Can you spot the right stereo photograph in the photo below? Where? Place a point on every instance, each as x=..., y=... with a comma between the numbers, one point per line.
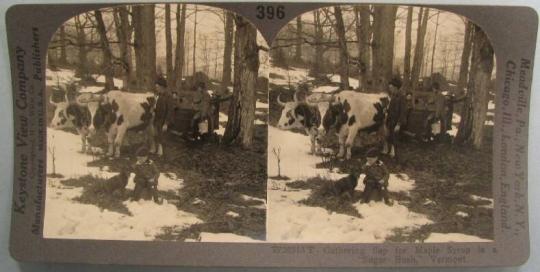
x=380, y=127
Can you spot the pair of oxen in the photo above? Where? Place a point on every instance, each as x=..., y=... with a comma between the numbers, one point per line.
x=346, y=113
x=115, y=112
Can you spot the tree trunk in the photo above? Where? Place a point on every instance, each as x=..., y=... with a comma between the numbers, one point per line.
x=168, y=46
x=384, y=23
x=318, y=58
x=363, y=26
x=343, y=52
x=423, y=17
x=434, y=43
x=408, y=45
x=107, y=66
x=471, y=127
x=465, y=56
x=227, y=50
x=176, y=77
x=63, y=56
x=240, y=126
x=124, y=34
x=299, y=40
x=145, y=46
x=195, y=42
x=82, y=67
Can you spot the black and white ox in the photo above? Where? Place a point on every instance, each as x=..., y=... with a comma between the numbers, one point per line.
x=347, y=113
x=70, y=114
x=117, y=112
x=303, y=115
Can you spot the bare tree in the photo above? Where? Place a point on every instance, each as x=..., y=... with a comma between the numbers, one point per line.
x=227, y=50
x=473, y=114
x=384, y=23
x=408, y=45
x=434, y=42
x=168, y=46
x=299, y=40
x=363, y=34
x=277, y=154
x=63, y=55
x=465, y=56
x=80, y=27
x=343, y=51
x=240, y=126
x=195, y=41
x=177, y=74
x=145, y=45
x=108, y=67
x=318, y=37
x=423, y=17
x=124, y=32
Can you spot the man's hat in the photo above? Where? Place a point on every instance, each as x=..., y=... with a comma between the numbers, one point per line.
x=141, y=152
x=161, y=81
x=372, y=153
x=396, y=81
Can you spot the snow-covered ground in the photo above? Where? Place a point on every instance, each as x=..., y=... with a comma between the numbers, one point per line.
x=288, y=220
x=291, y=75
x=66, y=218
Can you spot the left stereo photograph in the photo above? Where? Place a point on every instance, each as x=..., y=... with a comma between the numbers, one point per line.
x=156, y=126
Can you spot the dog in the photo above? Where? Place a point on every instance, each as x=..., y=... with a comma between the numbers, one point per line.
x=346, y=185
x=117, y=184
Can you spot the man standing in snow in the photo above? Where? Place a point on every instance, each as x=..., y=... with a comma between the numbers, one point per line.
x=397, y=112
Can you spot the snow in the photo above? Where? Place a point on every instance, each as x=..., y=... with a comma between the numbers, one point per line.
x=225, y=237
x=66, y=218
x=462, y=214
x=290, y=221
x=325, y=89
x=233, y=214
x=69, y=161
x=481, y=198
x=251, y=198
x=296, y=163
x=261, y=105
x=491, y=105
x=117, y=82
x=91, y=89
x=61, y=77
x=456, y=118
x=353, y=82
x=453, y=237
x=292, y=75
x=223, y=119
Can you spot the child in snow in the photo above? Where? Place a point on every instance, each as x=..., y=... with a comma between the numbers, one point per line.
x=146, y=176
x=376, y=180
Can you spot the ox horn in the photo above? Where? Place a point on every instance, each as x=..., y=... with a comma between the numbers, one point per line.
x=295, y=96
x=333, y=100
x=281, y=103
x=51, y=101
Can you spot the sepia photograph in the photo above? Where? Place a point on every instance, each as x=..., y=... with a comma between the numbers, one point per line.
x=381, y=127
x=157, y=126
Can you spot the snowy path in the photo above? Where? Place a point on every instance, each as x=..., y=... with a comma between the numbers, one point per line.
x=67, y=218
x=291, y=221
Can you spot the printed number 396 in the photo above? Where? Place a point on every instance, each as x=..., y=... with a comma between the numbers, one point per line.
x=270, y=12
